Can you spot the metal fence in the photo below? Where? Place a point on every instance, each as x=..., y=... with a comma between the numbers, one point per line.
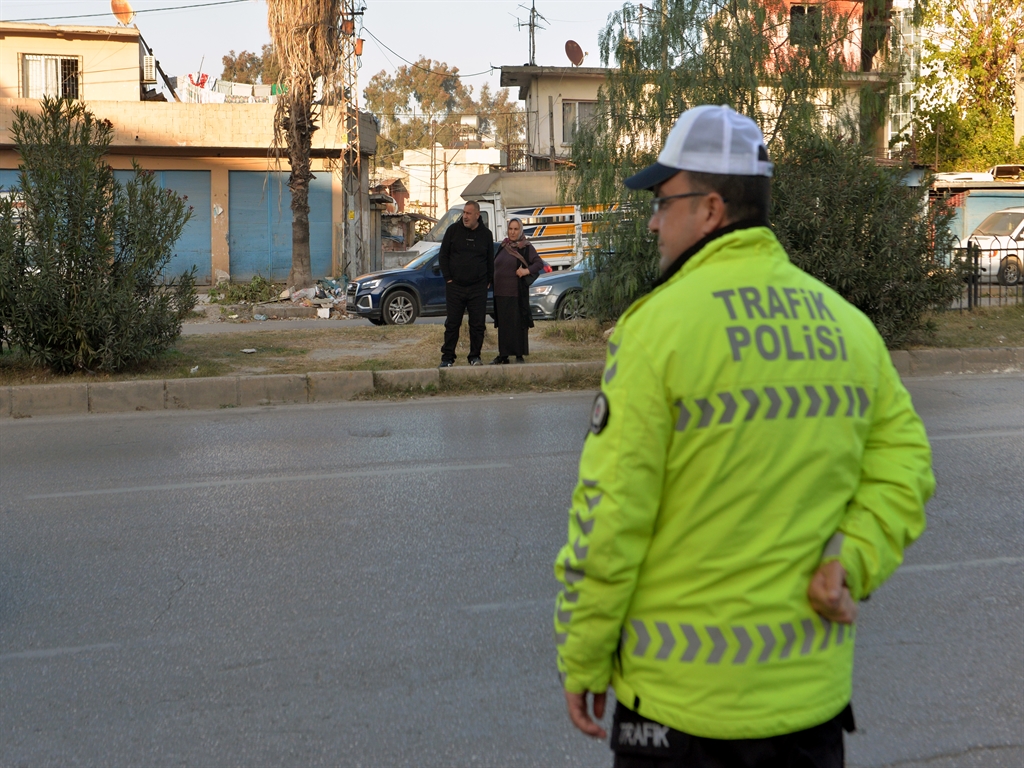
x=517, y=157
x=993, y=276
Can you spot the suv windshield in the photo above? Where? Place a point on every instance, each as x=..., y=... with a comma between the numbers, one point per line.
x=423, y=258
x=436, y=233
x=999, y=224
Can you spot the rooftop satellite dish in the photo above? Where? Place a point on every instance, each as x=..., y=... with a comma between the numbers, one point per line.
x=123, y=11
x=574, y=52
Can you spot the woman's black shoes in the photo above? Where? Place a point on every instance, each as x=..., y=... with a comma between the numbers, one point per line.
x=499, y=360
x=519, y=359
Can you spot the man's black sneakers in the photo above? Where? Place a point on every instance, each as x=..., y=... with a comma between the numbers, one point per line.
x=475, y=361
x=446, y=364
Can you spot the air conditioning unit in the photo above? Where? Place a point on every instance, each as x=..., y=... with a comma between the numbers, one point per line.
x=149, y=69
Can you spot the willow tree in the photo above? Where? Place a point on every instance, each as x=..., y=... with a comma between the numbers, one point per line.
x=680, y=54
x=306, y=37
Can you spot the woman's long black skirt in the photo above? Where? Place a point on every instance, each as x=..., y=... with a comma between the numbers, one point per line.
x=513, y=340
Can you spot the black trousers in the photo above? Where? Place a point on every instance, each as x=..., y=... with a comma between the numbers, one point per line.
x=642, y=743
x=459, y=299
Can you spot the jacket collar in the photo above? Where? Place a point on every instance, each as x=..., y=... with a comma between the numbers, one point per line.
x=697, y=247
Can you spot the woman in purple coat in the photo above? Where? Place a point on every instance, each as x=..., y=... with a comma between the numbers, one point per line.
x=515, y=263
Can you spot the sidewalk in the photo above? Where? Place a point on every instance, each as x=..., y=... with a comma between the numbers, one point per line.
x=285, y=389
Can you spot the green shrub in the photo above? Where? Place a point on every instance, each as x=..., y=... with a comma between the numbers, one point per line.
x=854, y=225
x=82, y=262
x=256, y=290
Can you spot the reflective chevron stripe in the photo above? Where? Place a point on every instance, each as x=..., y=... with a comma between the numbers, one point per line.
x=707, y=413
x=684, y=416
x=692, y=642
x=769, y=642
x=752, y=643
x=833, y=400
x=643, y=638
x=730, y=407
x=668, y=640
x=794, y=397
x=745, y=644
x=857, y=403
x=718, y=644
x=754, y=402
x=815, y=398
x=610, y=374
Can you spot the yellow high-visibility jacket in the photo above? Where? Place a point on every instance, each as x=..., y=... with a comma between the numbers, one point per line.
x=750, y=427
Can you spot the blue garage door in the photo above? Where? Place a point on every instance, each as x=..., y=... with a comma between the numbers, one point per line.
x=260, y=219
x=8, y=179
x=193, y=247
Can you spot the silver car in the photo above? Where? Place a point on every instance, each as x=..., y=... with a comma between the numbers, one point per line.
x=1001, y=240
x=559, y=295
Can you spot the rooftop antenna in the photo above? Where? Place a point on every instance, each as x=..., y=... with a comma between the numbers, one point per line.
x=534, y=25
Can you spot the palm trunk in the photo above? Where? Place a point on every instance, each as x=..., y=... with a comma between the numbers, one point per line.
x=300, y=130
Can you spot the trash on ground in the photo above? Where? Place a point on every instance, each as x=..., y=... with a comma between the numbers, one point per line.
x=232, y=317
x=259, y=317
x=305, y=293
x=194, y=369
x=249, y=351
x=323, y=312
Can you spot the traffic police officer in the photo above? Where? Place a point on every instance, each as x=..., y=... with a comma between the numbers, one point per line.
x=754, y=468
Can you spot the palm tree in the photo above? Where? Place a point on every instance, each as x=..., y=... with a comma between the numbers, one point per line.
x=306, y=37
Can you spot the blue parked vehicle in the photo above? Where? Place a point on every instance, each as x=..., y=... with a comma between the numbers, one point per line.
x=399, y=296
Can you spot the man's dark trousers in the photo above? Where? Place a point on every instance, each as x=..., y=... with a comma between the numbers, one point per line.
x=458, y=299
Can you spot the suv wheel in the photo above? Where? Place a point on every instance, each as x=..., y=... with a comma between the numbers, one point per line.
x=1009, y=271
x=571, y=307
x=399, y=308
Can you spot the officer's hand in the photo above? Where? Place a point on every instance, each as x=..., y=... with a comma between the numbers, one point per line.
x=577, y=703
x=829, y=596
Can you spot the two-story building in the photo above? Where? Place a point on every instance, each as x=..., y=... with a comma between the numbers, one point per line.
x=560, y=99
x=218, y=154
x=557, y=100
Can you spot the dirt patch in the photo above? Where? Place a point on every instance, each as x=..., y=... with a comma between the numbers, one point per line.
x=329, y=349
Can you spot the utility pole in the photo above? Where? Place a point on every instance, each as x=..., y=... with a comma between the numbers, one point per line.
x=351, y=160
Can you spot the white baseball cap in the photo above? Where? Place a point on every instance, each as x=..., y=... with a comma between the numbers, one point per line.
x=708, y=139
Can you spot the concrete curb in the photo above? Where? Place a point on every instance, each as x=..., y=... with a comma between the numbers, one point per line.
x=339, y=386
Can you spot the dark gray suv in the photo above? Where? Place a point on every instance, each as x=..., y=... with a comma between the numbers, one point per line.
x=559, y=295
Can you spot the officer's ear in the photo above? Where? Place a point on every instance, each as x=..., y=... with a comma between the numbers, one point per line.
x=716, y=212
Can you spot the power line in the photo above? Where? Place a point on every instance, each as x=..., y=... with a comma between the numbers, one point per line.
x=418, y=66
x=143, y=10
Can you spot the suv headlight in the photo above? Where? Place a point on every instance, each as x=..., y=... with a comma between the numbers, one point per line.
x=369, y=285
x=540, y=290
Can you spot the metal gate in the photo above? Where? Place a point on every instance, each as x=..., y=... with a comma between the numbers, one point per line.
x=260, y=220
x=193, y=247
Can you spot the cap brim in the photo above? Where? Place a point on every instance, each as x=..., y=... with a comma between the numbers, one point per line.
x=651, y=176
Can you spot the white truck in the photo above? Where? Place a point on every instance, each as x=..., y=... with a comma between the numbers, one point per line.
x=557, y=231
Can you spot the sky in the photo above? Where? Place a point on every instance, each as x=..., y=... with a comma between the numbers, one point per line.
x=472, y=35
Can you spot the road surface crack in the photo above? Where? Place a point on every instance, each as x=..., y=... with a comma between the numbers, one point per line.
x=170, y=598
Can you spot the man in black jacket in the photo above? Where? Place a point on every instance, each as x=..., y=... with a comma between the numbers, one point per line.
x=467, y=263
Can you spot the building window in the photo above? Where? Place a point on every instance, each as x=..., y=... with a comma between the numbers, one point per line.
x=57, y=76
x=805, y=25
x=574, y=115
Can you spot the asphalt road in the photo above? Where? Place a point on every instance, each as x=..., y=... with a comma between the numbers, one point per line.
x=370, y=584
